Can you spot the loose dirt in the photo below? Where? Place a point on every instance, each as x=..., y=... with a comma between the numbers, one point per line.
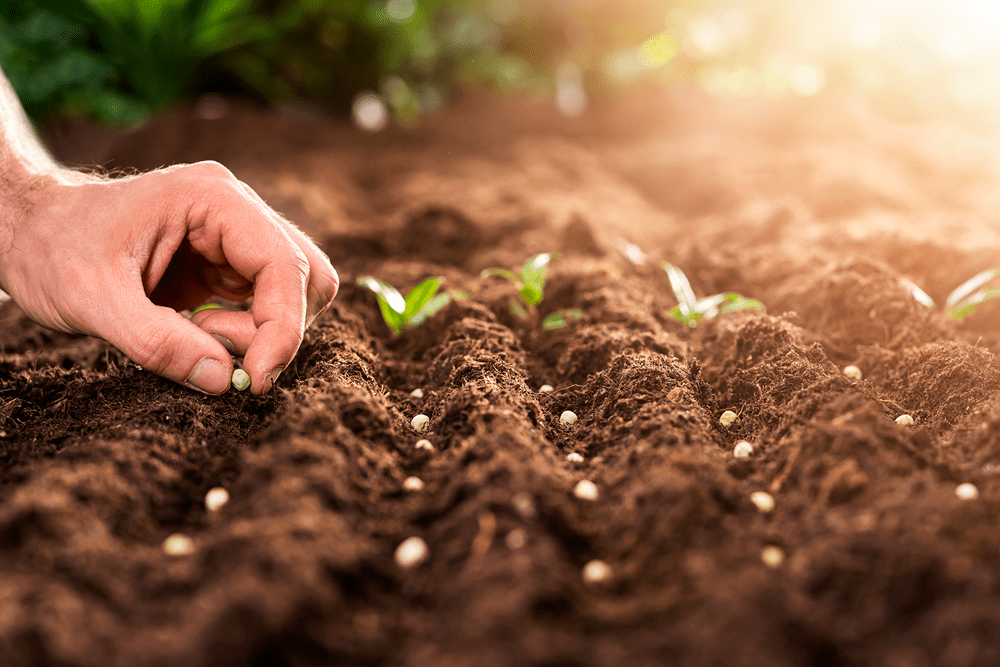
x=818, y=208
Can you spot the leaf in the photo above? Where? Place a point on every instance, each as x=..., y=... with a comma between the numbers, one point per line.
x=534, y=275
x=530, y=295
x=922, y=297
x=502, y=273
x=737, y=302
x=518, y=310
x=561, y=318
x=968, y=287
x=418, y=297
x=390, y=302
x=686, y=299
x=432, y=306
x=969, y=305
x=689, y=320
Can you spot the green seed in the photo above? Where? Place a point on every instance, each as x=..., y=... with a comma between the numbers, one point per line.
x=241, y=379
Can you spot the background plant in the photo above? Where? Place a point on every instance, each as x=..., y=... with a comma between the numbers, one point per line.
x=966, y=298
x=419, y=304
x=530, y=286
x=690, y=310
x=122, y=59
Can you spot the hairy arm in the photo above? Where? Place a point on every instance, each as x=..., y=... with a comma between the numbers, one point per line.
x=119, y=258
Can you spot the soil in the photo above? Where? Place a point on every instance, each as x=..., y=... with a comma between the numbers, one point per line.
x=818, y=208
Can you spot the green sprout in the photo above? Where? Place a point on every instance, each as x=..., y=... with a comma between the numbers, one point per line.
x=965, y=299
x=530, y=286
x=690, y=310
x=420, y=303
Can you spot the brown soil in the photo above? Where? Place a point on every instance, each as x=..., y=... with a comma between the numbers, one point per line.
x=815, y=208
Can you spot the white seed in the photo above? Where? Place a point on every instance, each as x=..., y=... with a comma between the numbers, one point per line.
x=216, y=498
x=574, y=457
x=729, y=418
x=596, y=572
x=763, y=500
x=178, y=544
x=417, y=393
x=523, y=505
x=967, y=491
x=905, y=420
x=742, y=450
x=421, y=423
x=411, y=552
x=772, y=556
x=586, y=490
x=241, y=379
x=853, y=372
x=516, y=539
x=425, y=445
x=546, y=388
x=568, y=418
x=413, y=484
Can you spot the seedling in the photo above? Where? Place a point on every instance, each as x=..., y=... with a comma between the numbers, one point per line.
x=965, y=299
x=530, y=286
x=690, y=310
x=420, y=303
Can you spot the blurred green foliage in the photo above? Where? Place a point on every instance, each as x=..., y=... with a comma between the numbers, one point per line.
x=120, y=60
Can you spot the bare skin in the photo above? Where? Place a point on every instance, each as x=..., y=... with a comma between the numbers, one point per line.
x=119, y=258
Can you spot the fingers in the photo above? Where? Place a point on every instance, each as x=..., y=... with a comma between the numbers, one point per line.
x=250, y=246
x=162, y=341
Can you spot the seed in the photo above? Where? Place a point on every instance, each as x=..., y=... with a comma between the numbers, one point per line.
x=743, y=450
x=516, y=539
x=729, y=418
x=411, y=552
x=905, y=420
x=763, y=500
x=413, y=484
x=421, y=423
x=574, y=457
x=523, y=505
x=568, y=418
x=425, y=445
x=216, y=498
x=241, y=379
x=417, y=393
x=586, y=490
x=178, y=545
x=545, y=388
x=967, y=491
x=853, y=372
x=596, y=572
x=772, y=556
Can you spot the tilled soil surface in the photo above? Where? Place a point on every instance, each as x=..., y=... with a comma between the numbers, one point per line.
x=816, y=208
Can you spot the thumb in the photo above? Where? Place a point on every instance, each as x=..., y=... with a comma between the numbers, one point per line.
x=163, y=341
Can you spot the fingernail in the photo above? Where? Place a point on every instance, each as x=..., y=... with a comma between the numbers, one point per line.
x=226, y=343
x=317, y=302
x=210, y=376
x=272, y=377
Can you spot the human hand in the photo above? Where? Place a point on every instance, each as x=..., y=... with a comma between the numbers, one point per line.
x=118, y=259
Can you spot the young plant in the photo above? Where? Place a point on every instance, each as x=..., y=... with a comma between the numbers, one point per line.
x=690, y=310
x=415, y=308
x=965, y=299
x=530, y=286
